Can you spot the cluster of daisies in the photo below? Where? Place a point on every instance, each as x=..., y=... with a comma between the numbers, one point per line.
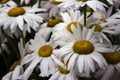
x=72, y=38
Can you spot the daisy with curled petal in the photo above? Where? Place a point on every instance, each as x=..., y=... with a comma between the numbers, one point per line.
x=7, y=3
x=83, y=51
x=113, y=59
x=43, y=56
x=17, y=17
x=94, y=4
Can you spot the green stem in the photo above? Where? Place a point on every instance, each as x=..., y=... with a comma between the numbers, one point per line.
x=12, y=44
x=39, y=5
x=85, y=14
x=7, y=67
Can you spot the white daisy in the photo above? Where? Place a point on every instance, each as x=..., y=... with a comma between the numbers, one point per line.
x=21, y=17
x=107, y=17
x=104, y=25
x=113, y=60
x=72, y=17
x=94, y=4
x=7, y=3
x=63, y=74
x=43, y=56
x=83, y=51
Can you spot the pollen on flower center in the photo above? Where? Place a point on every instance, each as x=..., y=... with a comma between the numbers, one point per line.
x=53, y=22
x=112, y=58
x=69, y=26
x=55, y=2
x=62, y=70
x=98, y=28
x=14, y=65
x=83, y=47
x=3, y=1
x=45, y=51
x=82, y=0
x=14, y=12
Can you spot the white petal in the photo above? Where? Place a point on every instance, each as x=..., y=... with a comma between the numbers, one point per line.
x=72, y=61
x=103, y=49
x=16, y=73
x=66, y=17
x=91, y=64
x=55, y=76
x=20, y=22
x=80, y=63
x=57, y=61
x=7, y=76
x=44, y=68
x=108, y=74
x=27, y=59
x=30, y=68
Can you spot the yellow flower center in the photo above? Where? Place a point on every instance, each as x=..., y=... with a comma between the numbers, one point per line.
x=70, y=24
x=98, y=27
x=3, y=1
x=112, y=58
x=14, y=12
x=53, y=22
x=55, y=2
x=45, y=51
x=82, y=0
x=83, y=47
x=14, y=65
x=62, y=70
x=103, y=20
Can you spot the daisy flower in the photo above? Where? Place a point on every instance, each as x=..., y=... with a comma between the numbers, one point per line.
x=7, y=3
x=63, y=74
x=72, y=17
x=94, y=4
x=113, y=59
x=20, y=17
x=43, y=56
x=83, y=51
x=103, y=25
